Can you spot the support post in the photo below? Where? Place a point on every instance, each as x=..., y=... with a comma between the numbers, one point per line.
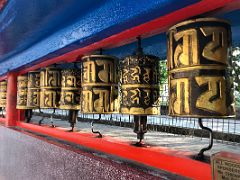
x=11, y=111
x=21, y=115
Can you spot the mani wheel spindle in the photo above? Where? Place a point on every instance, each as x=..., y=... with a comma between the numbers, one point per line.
x=70, y=93
x=140, y=89
x=50, y=87
x=22, y=90
x=198, y=61
x=99, y=85
x=33, y=92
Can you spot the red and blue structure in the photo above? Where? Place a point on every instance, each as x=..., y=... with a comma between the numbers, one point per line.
x=36, y=34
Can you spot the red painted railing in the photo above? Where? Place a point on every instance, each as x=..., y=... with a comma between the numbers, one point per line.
x=161, y=158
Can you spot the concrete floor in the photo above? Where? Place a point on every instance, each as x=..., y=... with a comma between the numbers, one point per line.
x=152, y=138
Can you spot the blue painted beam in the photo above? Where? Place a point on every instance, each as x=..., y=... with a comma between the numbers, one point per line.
x=157, y=45
x=36, y=30
x=30, y=30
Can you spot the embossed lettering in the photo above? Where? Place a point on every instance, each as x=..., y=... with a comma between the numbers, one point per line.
x=180, y=97
x=186, y=53
x=214, y=98
x=216, y=50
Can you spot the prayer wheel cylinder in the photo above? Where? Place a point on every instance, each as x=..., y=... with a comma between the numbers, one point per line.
x=50, y=87
x=22, y=83
x=33, y=94
x=3, y=94
x=70, y=89
x=198, y=65
x=140, y=88
x=99, y=85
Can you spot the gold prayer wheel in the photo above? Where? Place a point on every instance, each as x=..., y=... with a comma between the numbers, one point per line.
x=33, y=94
x=22, y=83
x=99, y=85
x=3, y=94
x=70, y=89
x=198, y=58
x=140, y=88
x=50, y=86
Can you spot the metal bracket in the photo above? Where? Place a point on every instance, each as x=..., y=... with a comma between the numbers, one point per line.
x=96, y=132
x=200, y=155
x=72, y=119
x=51, y=118
x=40, y=121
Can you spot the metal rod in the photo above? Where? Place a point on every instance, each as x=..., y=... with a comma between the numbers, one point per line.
x=72, y=118
x=96, y=132
x=41, y=120
x=2, y=114
x=100, y=51
x=140, y=128
x=28, y=115
x=139, y=46
x=51, y=118
x=200, y=155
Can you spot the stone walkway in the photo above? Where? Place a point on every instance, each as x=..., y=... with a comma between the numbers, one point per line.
x=156, y=139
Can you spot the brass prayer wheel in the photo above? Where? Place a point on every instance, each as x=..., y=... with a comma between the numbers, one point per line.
x=140, y=88
x=22, y=83
x=33, y=94
x=99, y=86
x=50, y=86
x=70, y=89
x=3, y=93
x=199, y=81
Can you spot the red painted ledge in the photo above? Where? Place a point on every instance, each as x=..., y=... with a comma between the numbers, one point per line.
x=2, y=120
x=161, y=158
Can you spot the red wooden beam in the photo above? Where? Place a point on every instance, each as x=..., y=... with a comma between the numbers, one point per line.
x=2, y=4
x=160, y=158
x=3, y=77
x=147, y=29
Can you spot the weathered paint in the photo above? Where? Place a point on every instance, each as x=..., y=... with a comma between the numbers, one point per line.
x=147, y=29
x=34, y=29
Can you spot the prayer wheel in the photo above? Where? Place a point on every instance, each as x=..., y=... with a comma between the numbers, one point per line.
x=50, y=87
x=70, y=93
x=33, y=93
x=99, y=85
x=3, y=94
x=70, y=89
x=140, y=89
x=198, y=65
x=22, y=90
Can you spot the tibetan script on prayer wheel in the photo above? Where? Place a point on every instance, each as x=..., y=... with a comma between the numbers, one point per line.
x=3, y=93
x=50, y=85
x=70, y=89
x=140, y=89
x=22, y=82
x=199, y=81
x=33, y=94
x=99, y=86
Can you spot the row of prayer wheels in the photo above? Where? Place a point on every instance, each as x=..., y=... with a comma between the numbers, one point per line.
x=93, y=88
x=198, y=75
x=198, y=79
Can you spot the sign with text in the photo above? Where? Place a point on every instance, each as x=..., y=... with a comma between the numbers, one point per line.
x=225, y=166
